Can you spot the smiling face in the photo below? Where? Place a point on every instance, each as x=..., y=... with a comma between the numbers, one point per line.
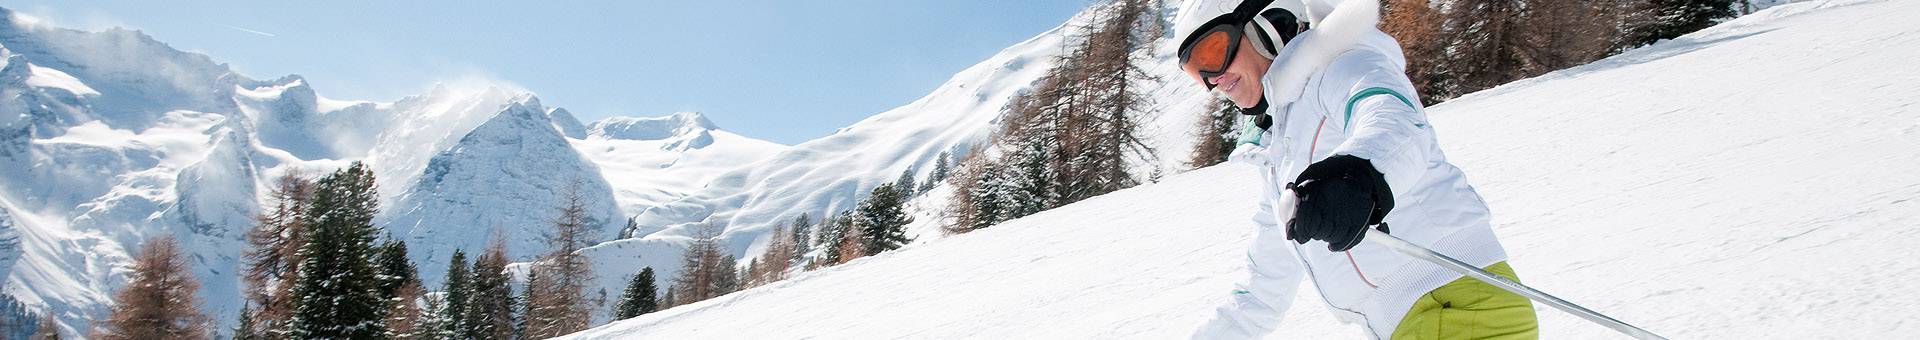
x=1241, y=82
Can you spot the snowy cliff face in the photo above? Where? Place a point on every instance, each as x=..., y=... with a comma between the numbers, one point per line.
x=568, y=125
x=420, y=127
x=511, y=173
x=138, y=79
x=108, y=138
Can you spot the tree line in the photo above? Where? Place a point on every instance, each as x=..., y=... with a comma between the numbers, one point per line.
x=1073, y=134
x=876, y=224
x=1461, y=46
x=317, y=268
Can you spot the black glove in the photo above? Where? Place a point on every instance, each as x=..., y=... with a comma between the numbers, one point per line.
x=1339, y=198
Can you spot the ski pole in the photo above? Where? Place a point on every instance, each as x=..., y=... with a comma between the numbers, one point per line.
x=1443, y=260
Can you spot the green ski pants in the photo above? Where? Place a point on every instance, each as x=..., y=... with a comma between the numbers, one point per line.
x=1470, y=309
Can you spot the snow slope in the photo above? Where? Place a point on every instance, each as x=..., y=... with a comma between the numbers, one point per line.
x=654, y=160
x=1752, y=180
x=831, y=174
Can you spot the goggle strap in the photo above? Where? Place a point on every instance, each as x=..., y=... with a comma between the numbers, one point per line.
x=1260, y=41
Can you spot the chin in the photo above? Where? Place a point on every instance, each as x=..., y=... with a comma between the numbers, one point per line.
x=1245, y=101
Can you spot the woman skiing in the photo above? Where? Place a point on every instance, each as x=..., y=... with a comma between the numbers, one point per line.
x=1338, y=126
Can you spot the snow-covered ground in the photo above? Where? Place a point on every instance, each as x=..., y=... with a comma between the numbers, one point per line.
x=1753, y=180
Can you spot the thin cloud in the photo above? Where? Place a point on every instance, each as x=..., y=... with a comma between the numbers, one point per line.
x=243, y=29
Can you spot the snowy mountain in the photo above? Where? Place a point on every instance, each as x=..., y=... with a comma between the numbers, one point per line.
x=109, y=138
x=1752, y=180
x=832, y=173
x=651, y=161
x=510, y=174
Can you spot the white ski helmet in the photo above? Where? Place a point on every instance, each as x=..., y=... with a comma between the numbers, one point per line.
x=1197, y=15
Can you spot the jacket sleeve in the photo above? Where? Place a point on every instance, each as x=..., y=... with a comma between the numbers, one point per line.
x=1381, y=117
x=1273, y=273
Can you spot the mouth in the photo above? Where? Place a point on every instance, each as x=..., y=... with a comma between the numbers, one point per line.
x=1231, y=83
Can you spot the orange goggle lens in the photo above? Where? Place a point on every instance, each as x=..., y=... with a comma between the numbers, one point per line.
x=1210, y=53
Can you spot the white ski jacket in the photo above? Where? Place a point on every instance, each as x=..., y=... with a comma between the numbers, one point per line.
x=1341, y=88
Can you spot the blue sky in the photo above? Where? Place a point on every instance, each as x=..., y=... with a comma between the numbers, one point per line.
x=786, y=71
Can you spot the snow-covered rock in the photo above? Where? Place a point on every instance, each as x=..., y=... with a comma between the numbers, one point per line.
x=650, y=128
x=138, y=79
x=510, y=173
x=564, y=121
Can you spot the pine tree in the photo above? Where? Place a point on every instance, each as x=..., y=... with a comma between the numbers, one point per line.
x=434, y=320
x=995, y=192
x=832, y=231
x=531, y=318
x=457, y=292
x=48, y=329
x=246, y=328
x=666, y=300
x=695, y=281
x=940, y=170
x=905, y=185
x=562, y=307
x=337, y=294
x=848, y=247
x=1098, y=137
x=1487, y=43
x=1214, y=134
x=754, y=276
x=726, y=277
x=1074, y=134
x=705, y=272
x=18, y=321
x=962, y=211
x=883, y=221
x=395, y=270
x=802, y=239
x=273, y=256
x=490, y=309
x=1668, y=19
x=158, y=301
x=639, y=298
x=405, y=319
x=776, y=260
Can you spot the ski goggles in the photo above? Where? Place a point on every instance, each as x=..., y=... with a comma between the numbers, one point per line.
x=1210, y=52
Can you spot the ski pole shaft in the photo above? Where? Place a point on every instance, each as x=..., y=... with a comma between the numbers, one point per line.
x=1443, y=260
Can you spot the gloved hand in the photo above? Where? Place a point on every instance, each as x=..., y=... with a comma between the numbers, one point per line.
x=1249, y=154
x=1339, y=197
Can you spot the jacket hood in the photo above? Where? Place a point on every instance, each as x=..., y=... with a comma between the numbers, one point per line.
x=1341, y=26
